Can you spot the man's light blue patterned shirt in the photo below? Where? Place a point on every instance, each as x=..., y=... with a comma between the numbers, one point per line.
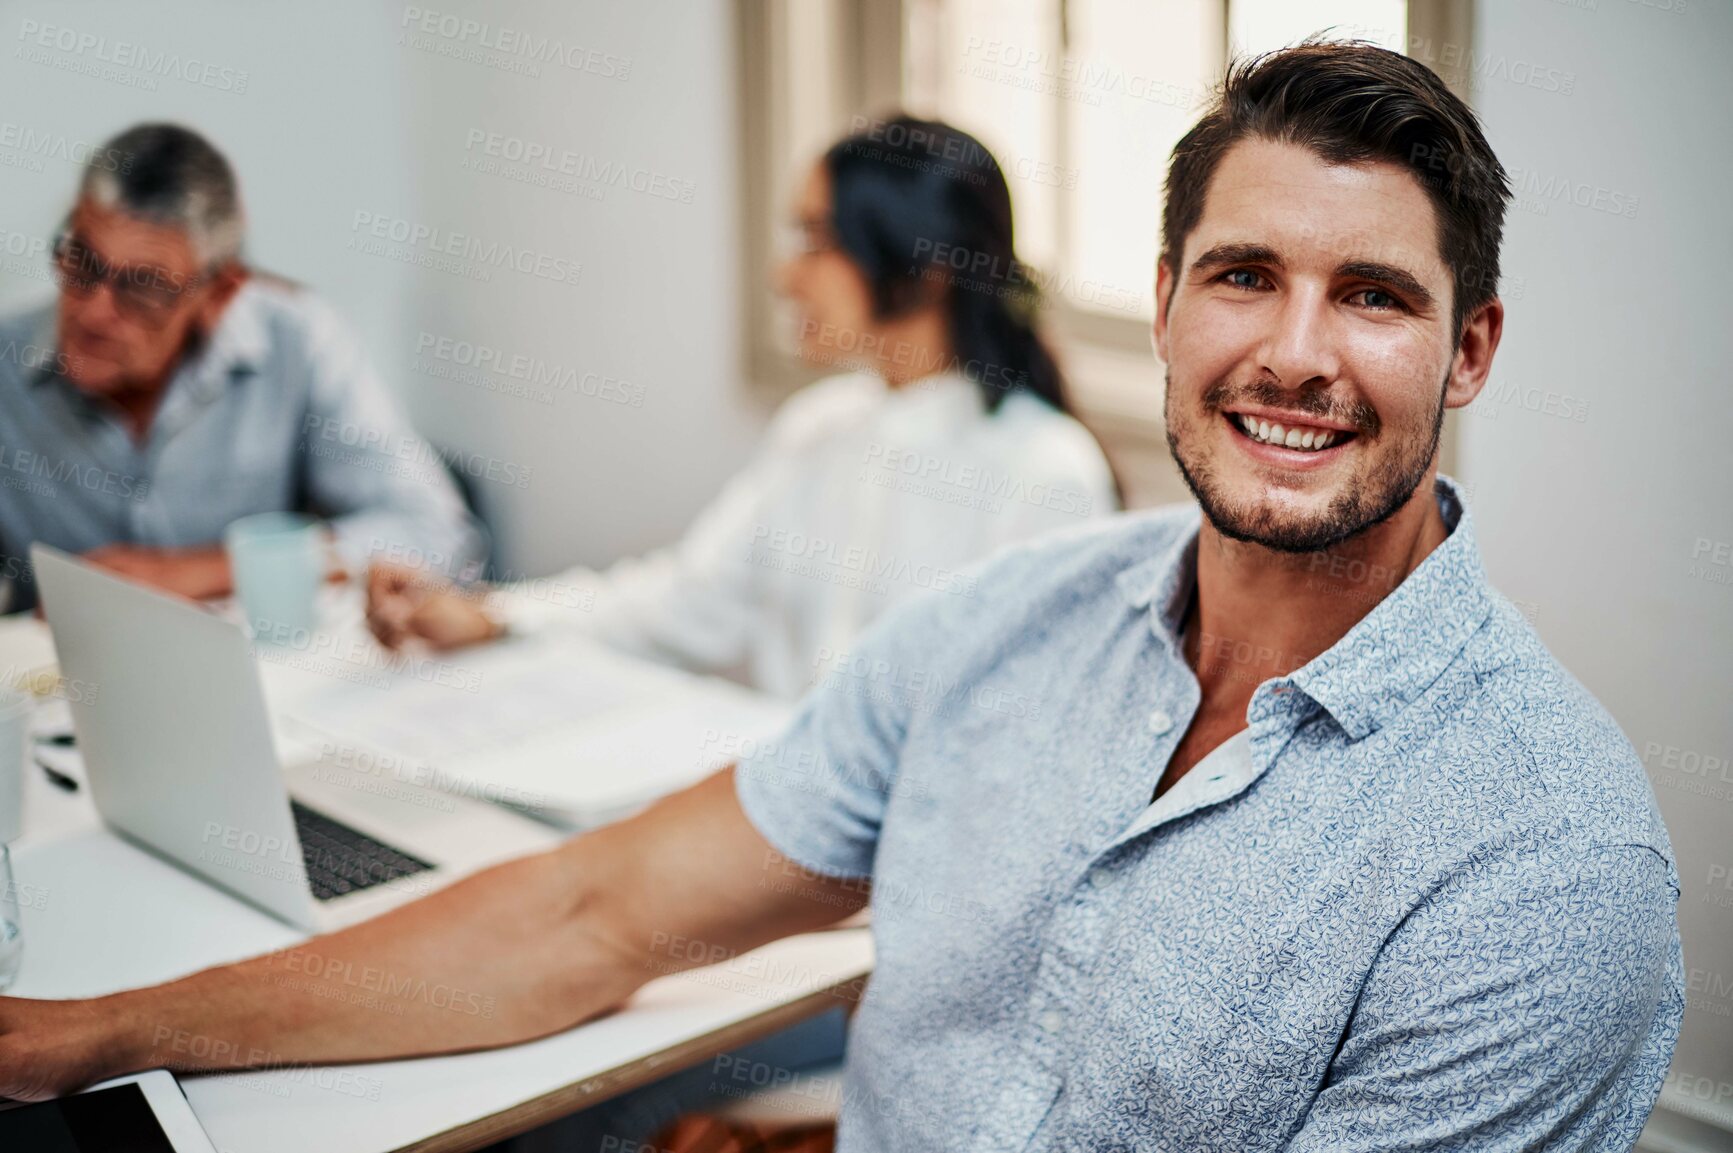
x=1437, y=913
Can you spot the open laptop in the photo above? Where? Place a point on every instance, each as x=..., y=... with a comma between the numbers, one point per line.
x=181, y=758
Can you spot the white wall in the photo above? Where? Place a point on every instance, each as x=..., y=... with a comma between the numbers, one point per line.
x=351, y=108
x=1620, y=303
x=657, y=302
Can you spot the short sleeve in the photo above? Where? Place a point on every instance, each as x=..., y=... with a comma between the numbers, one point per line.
x=1531, y=1002
x=818, y=791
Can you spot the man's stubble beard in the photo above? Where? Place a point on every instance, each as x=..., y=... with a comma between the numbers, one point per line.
x=1363, y=502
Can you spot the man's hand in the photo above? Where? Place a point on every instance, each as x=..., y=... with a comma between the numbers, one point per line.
x=405, y=603
x=48, y=1048
x=196, y=573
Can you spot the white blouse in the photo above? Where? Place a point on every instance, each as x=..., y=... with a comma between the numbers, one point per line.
x=859, y=495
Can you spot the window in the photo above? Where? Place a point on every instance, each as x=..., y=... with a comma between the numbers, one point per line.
x=1083, y=101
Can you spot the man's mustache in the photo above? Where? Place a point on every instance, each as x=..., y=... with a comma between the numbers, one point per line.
x=1358, y=415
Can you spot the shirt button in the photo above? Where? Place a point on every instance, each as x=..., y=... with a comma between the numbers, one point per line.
x=1160, y=722
x=1051, y=1021
x=1098, y=879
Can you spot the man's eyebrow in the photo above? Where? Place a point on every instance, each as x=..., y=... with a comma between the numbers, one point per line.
x=1404, y=282
x=1223, y=255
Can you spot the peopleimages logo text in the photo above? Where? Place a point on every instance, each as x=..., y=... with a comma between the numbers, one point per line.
x=124, y=54
x=58, y=146
x=463, y=246
x=483, y=358
x=515, y=42
x=579, y=165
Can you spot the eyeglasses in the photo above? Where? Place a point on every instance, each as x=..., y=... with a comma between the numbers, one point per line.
x=142, y=292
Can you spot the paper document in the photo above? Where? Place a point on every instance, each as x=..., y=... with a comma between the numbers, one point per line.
x=557, y=726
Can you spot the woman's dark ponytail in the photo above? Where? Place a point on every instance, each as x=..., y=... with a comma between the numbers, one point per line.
x=922, y=207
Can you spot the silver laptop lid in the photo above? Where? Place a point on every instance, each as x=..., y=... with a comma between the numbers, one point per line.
x=174, y=733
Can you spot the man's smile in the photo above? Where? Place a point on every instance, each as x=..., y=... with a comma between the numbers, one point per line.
x=1289, y=439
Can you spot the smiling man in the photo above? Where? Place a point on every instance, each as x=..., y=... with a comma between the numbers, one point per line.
x=1300, y=841
x=169, y=390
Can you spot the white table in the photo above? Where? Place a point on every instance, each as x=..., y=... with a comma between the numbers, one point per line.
x=101, y=914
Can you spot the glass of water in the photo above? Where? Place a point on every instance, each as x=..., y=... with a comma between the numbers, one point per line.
x=11, y=934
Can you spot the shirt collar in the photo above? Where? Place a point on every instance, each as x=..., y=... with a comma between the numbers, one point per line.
x=1389, y=657
x=238, y=346
x=933, y=403
x=1163, y=583
x=44, y=333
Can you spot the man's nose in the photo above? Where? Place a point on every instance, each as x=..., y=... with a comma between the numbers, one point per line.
x=1300, y=349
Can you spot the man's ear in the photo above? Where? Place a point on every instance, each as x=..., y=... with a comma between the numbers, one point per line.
x=224, y=283
x=1163, y=294
x=1472, y=362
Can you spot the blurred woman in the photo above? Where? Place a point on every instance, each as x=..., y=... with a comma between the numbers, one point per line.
x=948, y=438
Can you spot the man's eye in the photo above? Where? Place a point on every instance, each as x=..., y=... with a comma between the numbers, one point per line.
x=1243, y=278
x=1377, y=299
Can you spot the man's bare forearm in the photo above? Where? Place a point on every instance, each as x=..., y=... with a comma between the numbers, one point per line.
x=509, y=954
x=522, y=950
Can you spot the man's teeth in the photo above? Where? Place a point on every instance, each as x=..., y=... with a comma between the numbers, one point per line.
x=1308, y=438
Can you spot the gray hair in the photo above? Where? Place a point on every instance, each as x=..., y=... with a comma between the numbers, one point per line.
x=172, y=176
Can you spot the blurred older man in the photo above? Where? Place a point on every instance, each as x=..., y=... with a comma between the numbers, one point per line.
x=170, y=391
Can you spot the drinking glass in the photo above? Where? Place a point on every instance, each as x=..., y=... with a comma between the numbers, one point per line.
x=15, y=706
x=11, y=933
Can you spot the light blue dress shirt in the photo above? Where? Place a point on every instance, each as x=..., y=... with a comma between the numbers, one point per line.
x=279, y=410
x=1436, y=912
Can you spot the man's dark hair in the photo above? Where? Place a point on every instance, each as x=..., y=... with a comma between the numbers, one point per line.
x=1350, y=102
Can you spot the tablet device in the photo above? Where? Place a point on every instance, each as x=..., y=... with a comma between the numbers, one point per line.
x=143, y=1113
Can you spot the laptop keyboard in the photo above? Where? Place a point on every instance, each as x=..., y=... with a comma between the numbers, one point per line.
x=341, y=860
